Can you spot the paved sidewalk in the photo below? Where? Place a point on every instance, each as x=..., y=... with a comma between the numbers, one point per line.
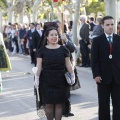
x=85, y=70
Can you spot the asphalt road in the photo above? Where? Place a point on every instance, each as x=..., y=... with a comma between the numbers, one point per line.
x=17, y=101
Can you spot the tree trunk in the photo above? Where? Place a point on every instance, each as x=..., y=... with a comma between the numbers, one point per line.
x=35, y=6
x=48, y=16
x=10, y=14
x=10, y=11
x=107, y=6
x=83, y=12
x=52, y=13
x=76, y=16
x=114, y=13
x=21, y=15
x=29, y=19
x=111, y=9
x=59, y=13
x=34, y=14
x=118, y=11
x=15, y=19
x=0, y=21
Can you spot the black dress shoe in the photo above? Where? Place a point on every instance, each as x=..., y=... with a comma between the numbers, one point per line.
x=87, y=65
x=82, y=65
x=68, y=115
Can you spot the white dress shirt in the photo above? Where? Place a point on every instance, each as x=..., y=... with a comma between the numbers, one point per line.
x=108, y=36
x=40, y=32
x=78, y=32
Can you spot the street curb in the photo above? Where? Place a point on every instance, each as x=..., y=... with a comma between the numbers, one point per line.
x=18, y=55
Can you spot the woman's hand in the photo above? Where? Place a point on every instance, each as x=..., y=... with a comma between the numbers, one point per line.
x=72, y=78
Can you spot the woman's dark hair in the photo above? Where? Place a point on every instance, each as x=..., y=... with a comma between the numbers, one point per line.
x=47, y=26
x=47, y=33
x=70, y=25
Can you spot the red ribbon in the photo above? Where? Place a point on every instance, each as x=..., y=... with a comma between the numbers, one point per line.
x=110, y=48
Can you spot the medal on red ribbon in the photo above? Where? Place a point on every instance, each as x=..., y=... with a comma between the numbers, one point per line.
x=110, y=56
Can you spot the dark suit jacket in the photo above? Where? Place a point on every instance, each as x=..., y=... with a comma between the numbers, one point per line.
x=92, y=25
x=100, y=62
x=98, y=30
x=70, y=45
x=29, y=34
x=84, y=32
x=36, y=39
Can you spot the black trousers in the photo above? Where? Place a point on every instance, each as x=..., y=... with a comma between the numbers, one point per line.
x=84, y=52
x=35, y=58
x=31, y=54
x=104, y=93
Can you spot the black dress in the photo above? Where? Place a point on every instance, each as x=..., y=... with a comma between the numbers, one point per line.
x=53, y=86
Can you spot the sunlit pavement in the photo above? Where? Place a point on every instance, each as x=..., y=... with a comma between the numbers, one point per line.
x=17, y=101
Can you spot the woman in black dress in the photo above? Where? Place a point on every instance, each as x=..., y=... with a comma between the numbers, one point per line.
x=52, y=60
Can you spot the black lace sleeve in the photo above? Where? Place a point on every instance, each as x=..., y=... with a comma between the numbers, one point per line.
x=66, y=51
x=40, y=53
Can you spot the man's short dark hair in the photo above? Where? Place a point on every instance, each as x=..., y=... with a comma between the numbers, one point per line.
x=33, y=24
x=91, y=18
x=106, y=18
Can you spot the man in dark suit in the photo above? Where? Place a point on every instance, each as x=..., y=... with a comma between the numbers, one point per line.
x=83, y=37
x=92, y=24
x=105, y=54
x=29, y=37
x=36, y=39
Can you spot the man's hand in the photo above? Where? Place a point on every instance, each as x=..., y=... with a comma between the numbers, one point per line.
x=63, y=37
x=72, y=78
x=98, y=79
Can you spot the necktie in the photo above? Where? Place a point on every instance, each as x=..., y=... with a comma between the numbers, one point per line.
x=110, y=43
x=39, y=33
x=110, y=40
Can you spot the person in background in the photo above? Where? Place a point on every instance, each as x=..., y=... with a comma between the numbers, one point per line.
x=14, y=34
x=97, y=30
x=83, y=37
x=27, y=41
x=64, y=39
x=9, y=37
x=70, y=29
x=36, y=39
x=29, y=37
x=65, y=27
x=118, y=28
x=22, y=33
x=92, y=24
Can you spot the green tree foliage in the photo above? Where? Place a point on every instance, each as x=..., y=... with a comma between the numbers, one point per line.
x=95, y=7
x=3, y=4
